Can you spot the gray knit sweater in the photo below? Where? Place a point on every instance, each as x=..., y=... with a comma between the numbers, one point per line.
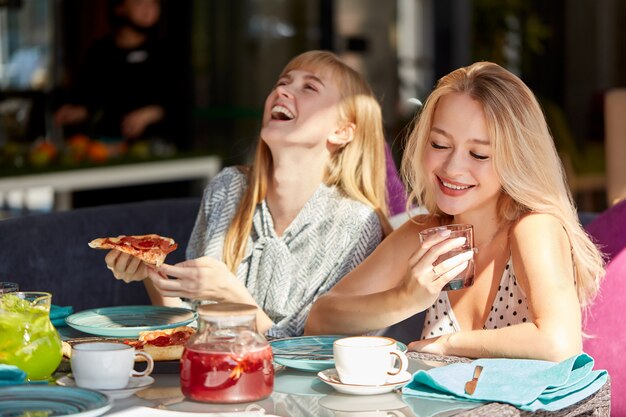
x=330, y=236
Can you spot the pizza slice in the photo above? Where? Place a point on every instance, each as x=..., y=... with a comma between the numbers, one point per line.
x=151, y=249
x=163, y=345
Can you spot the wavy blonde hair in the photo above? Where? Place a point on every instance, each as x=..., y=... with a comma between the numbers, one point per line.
x=525, y=160
x=358, y=168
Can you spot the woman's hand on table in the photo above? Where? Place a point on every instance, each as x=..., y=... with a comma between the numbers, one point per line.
x=126, y=267
x=434, y=345
x=203, y=278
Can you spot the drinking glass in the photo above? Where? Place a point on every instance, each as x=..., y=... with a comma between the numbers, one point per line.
x=466, y=277
x=6, y=287
x=29, y=340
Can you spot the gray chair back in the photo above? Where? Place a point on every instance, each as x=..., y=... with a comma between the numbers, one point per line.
x=49, y=252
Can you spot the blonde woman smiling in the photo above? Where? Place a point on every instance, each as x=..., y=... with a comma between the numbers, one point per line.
x=309, y=210
x=480, y=153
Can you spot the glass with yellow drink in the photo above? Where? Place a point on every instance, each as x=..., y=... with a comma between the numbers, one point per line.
x=29, y=340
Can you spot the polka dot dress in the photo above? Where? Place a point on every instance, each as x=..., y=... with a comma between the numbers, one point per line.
x=509, y=307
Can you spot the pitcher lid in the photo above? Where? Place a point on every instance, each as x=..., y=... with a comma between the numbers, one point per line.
x=226, y=309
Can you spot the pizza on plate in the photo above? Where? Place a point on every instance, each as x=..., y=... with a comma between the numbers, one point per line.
x=163, y=345
x=151, y=249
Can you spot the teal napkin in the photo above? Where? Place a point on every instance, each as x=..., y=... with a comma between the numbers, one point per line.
x=58, y=314
x=11, y=375
x=527, y=384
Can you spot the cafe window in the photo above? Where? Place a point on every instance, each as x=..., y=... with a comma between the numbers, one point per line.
x=25, y=44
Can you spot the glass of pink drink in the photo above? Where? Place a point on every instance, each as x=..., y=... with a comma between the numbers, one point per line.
x=466, y=277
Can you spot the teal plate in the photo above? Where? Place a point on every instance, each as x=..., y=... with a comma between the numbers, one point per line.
x=308, y=353
x=50, y=401
x=128, y=321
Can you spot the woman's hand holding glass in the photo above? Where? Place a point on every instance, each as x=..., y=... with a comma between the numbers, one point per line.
x=425, y=279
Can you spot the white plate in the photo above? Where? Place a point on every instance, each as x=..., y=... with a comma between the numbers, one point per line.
x=134, y=384
x=330, y=377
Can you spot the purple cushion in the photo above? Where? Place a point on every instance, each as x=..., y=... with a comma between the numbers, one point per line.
x=396, y=193
x=605, y=320
x=608, y=230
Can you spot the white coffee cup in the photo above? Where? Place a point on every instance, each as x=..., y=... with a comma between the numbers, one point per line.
x=106, y=365
x=368, y=360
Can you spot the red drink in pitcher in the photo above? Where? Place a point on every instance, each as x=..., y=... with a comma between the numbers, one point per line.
x=227, y=360
x=223, y=377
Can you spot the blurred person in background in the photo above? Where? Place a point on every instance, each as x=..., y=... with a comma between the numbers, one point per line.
x=126, y=86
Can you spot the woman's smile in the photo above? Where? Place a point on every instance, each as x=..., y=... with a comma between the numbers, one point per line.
x=453, y=188
x=282, y=113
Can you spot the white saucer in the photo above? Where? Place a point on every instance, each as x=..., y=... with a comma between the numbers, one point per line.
x=301, y=383
x=134, y=384
x=352, y=403
x=330, y=377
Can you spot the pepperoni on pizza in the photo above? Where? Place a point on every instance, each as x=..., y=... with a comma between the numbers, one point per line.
x=163, y=345
x=150, y=248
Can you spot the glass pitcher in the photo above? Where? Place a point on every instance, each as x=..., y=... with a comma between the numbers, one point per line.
x=29, y=340
x=227, y=360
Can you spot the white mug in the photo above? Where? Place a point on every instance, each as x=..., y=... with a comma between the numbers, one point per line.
x=368, y=360
x=106, y=365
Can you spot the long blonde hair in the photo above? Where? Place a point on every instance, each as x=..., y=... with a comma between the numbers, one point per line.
x=358, y=168
x=524, y=159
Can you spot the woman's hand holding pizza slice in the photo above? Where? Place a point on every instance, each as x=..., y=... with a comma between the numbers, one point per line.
x=126, y=267
x=130, y=254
